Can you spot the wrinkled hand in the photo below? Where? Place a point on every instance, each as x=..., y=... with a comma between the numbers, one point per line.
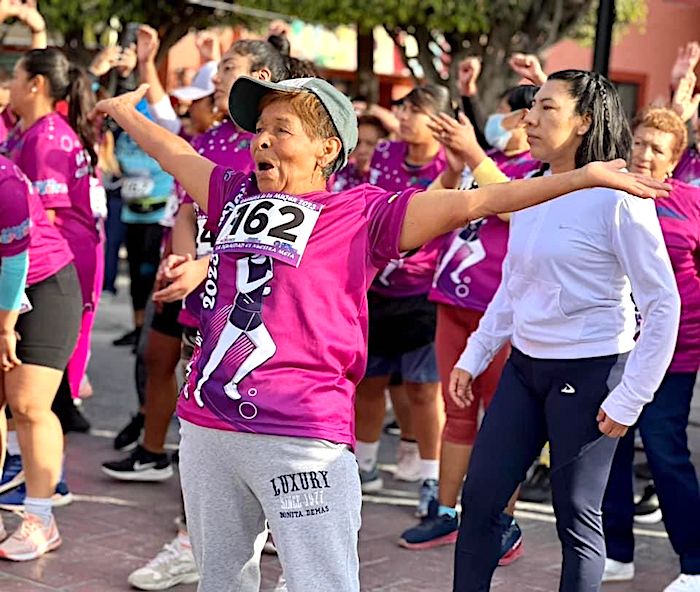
x=127, y=61
x=104, y=61
x=147, y=44
x=468, y=72
x=528, y=66
x=609, y=426
x=457, y=136
x=209, y=46
x=127, y=101
x=609, y=174
x=8, y=351
x=461, y=388
x=686, y=61
x=182, y=275
x=685, y=101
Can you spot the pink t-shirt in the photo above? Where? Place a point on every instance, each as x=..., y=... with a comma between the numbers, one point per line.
x=284, y=319
x=7, y=122
x=688, y=168
x=469, y=268
x=230, y=147
x=348, y=177
x=24, y=225
x=52, y=156
x=405, y=276
x=679, y=215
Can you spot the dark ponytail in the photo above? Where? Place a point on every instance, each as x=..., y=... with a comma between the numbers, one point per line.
x=81, y=101
x=609, y=136
x=67, y=82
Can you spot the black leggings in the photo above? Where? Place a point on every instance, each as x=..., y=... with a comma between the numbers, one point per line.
x=539, y=400
x=143, y=243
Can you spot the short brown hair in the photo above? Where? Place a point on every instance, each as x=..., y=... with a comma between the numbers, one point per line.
x=374, y=122
x=664, y=120
x=315, y=120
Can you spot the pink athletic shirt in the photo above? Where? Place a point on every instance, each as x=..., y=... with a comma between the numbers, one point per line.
x=284, y=318
x=24, y=225
x=469, y=268
x=405, y=276
x=52, y=156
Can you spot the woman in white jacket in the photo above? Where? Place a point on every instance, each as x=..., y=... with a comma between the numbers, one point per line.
x=576, y=376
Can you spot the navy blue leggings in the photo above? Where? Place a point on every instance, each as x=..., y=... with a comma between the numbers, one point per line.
x=539, y=400
x=663, y=426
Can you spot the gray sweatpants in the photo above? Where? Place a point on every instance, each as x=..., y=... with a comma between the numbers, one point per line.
x=307, y=490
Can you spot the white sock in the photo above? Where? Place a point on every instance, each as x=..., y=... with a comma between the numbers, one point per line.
x=366, y=454
x=39, y=506
x=429, y=469
x=12, y=444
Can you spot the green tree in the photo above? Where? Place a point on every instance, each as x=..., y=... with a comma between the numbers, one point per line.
x=446, y=31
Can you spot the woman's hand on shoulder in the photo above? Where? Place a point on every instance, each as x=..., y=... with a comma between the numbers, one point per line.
x=610, y=174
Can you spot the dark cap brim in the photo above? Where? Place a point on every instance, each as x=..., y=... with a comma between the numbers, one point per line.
x=245, y=97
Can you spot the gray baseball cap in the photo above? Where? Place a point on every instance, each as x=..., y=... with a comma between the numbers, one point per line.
x=246, y=94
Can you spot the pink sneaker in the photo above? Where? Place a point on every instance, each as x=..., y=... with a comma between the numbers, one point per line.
x=31, y=540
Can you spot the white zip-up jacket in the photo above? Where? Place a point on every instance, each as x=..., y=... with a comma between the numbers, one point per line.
x=572, y=266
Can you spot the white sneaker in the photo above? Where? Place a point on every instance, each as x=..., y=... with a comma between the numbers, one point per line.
x=407, y=462
x=616, y=571
x=172, y=566
x=684, y=583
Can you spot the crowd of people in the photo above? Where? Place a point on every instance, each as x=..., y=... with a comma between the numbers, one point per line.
x=304, y=262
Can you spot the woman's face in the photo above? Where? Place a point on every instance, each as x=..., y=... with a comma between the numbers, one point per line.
x=413, y=124
x=652, y=152
x=286, y=158
x=201, y=113
x=368, y=137
x=230, y=68
x=554, y=130
x=21, y=89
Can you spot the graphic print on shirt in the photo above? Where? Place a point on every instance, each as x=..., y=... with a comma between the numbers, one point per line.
x=245, y=322
x=467, y=239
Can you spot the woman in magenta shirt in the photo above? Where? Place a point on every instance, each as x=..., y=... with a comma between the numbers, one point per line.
x=659, y=139
x=34, y=254
x=58, y=156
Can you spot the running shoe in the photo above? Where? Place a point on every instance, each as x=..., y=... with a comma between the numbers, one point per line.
x=371, y=481
x=428, y=493
x=32, y=539
x=128, y=438
x=407, y=462
x=129, y=338
x=511, y=541
x=140, y=465
x=647, y=510
x=72, y=420
x=13, y=500
x=617, y=571
x=433, y=531
x=684, y=583
x=12, y=473
x=537, y=488
x=392, y=429
x=172, y=566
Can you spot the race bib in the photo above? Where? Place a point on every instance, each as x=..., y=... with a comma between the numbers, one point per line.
x=205, y=238
x=134, y=188
x=272, y=224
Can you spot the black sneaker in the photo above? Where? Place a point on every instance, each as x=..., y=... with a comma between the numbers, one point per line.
x=647, y=510
x=130, y=338
x=128, y=438
x=72, y=420
x=141, y=465
x=537, y=488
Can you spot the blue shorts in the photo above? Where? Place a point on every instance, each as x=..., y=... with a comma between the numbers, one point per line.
x=419, y=365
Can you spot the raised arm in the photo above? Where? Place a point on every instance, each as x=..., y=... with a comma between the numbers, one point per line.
x=173, y=153
x=433, y=213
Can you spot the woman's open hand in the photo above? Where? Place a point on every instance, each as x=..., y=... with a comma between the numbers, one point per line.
x=610, y=174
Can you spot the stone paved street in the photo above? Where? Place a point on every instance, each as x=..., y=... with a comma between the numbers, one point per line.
x=113, y=527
